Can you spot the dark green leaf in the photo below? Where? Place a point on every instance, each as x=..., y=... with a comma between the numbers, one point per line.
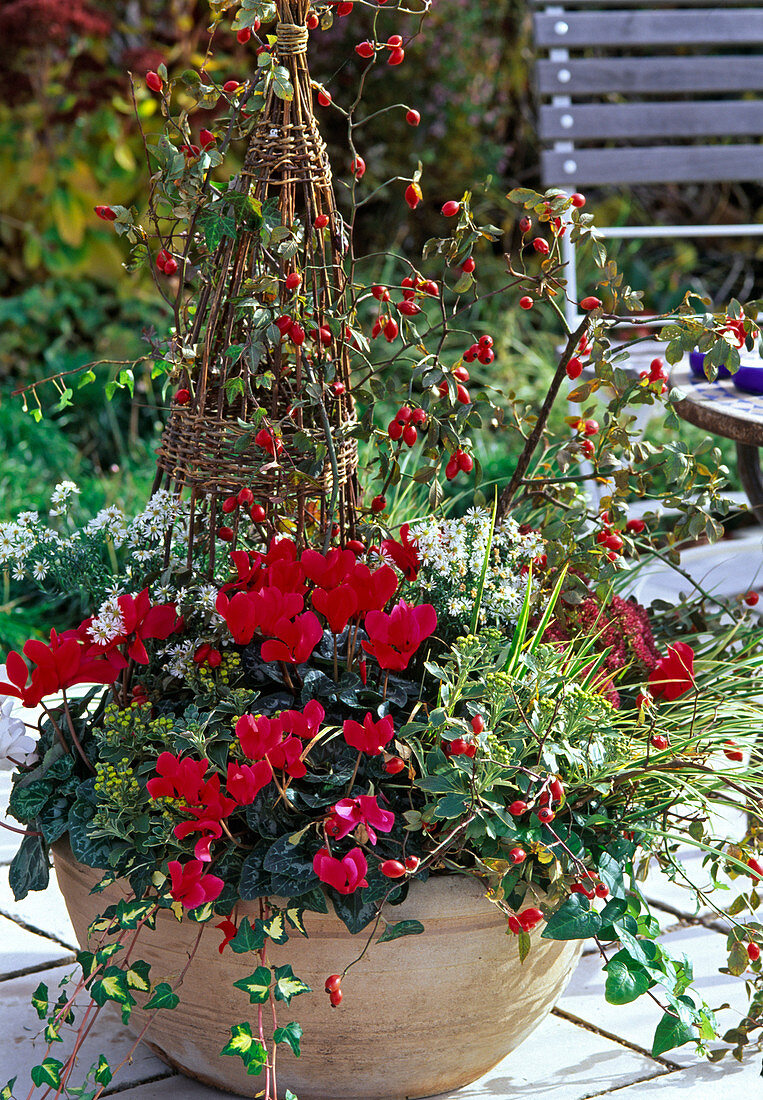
x=48, y=1073
x=40, y=1000
x=287, y=985
x=162, y=997
x=574, y=920
x=257, y=985
x=402, y=928
x=626, y=980
x=671, y=1033
x=247, y=938
x=29, y=868
x=243, y=1045
x=103, y=1074
x=290, y=1034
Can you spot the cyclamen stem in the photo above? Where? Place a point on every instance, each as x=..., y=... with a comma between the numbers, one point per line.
x=75, y=738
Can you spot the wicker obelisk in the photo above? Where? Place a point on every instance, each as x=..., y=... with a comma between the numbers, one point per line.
x=245, y=379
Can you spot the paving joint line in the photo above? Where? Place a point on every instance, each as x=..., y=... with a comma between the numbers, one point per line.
x=587, y=1026
x=685, y=918
x=38, y=931
x=37, y=968
x=631, y=1084
x=167, y=1075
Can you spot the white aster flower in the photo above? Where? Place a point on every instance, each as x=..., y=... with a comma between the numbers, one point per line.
x=40, y=570
x=60, y=497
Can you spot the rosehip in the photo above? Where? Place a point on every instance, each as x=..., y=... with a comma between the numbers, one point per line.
x=574, y=368
x=324, y=97
x=258, y=514
x=486, y=341
x=755, y=866
x=731, y=752
x=313, y=22
x=397, y=57
x=284, y=324
x=753, y=952
x=516, y=809
x=182, y=397
x=106, y=213
x=230, y=504
x=412, y=863
x=378, y=504
x=395, y=430
x=577, y=199
x=590, y=303
x=207, y=138
x=751, y=599
x=404, y=414
x=408, y=308
x=468, y=265
x=486, y=355
x=391, y=329
x=586, y=446
x=590, y=427
x=419, y=417
x=335, y=998
x=297, y=335
x=231, y=85
x=380, y=293
x=409, y=435
x=154, y=81
x=525, y=225
x=392, y=868
x=321, y=221
x=451, y=208
x=465, y=462
x=344, y=8
x=517, y=855
x=526, y=302
x=462, y=374
x=451, y=470
x=394, y=765
x=293, y=280
x=243, y=36
x=635, y=526
x=413, y=118
x=430, y=288
x=471, y=354
x=394, y=42
x=545, y=815
x=170, y=266
x=514, y=925
x=601, y=890
x=613, y=542
x=659, y=742
x=225, y=534
x=409, y=288
x=540, y=245
x=413, y=195
x=365, y=49
x=462, y=394
x=358, y=168
x=529, y=918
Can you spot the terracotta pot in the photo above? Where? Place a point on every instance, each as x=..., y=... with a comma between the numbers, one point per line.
x=421, y=1015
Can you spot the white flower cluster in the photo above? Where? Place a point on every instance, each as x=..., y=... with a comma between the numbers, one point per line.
x=178, y=659
x=164, y=512
x=113, y=522
x=60, y=497
x=452, y=554
x=16, y=746
x=108, y=624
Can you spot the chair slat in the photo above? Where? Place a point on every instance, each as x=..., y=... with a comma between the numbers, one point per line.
x=656, y=164
x=629, y=121
x=698, y=27
x=650, y=75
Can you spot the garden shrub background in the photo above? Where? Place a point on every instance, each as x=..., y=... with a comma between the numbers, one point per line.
x=69, y=140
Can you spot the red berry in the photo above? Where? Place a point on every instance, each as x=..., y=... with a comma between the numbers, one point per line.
x=397, y=57
x=451, y=208
x=540, y=245
x=324, y=97
x=404, y=414
x=207, y=138
x=486, y=341
x=753, y=952
x=409, y=435
x=751, y=598
x=478, y=723
x=243, y=36
x=258, y=514
x=106, y=213
x=486, y=355
x=517, y=855
x=577, y=199
x=230, y=504
x=378, y=504
x=231, y=85
x=297, y=335
x=394, y=764
x=587, y=448
x=431, y=288
x=392, y=868
x=635, y=526
x=395, y=430
x=545, y=814
x=529, y=918
x=556, y=789
x=365, y=49
x=413, y=195
x=335, y=998
x=465, y=462
x=412, y=863
x=391, y=329
x=324, y=335
x=731, y=752
x=284, y=324
x=245, y=496
x=154, y=81
x=451, y=470
x=408, y=308
x=462, y=374
x=225, y=534
x=613, y=542
x=471, y=354
x=380, y=293
x=590, y=427
x=313, y=22
x=419, y=417
x=394, y=42
x=659, y=742
x=462, y=394
x=590, y=303
x=293, y=280
x=170, y=266
x=526, y=302
x=413, y=118
x=514, y=925
x=601, y=890
x=321, y=221
x=344, y=8
x=525, y=225
x=468, y=265
x=518, y=808
x=755, y=866
x=574, y=368
x=333, y=982
x=358, y=168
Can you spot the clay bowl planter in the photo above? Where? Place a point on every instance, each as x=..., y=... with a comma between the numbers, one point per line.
x=421, y=1015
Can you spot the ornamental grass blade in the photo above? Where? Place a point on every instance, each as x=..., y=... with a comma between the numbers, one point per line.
x=520, y=630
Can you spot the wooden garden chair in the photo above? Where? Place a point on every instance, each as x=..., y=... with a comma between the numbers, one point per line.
x=637, y=93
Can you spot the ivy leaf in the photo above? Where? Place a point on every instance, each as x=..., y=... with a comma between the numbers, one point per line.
x=626, y=980
x=257, y=985
x=287, y=985
x=290, y=1034
x=137, y=976
x=671, y=1032
x=247, y=939
x=163, y=997
x=48, y=1073
x=40, y=1000
x=103, y=1074
x=7, y=1093
x=275, y=928
x=402, y=928
x=113, y=986
x=574, y=920
x=242, y=1044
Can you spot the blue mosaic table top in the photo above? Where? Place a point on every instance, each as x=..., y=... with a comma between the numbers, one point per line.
x=719, y=407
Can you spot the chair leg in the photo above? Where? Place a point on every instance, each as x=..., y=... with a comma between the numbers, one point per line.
x=748, y=465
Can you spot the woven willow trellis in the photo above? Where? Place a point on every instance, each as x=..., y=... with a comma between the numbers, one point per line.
x=244, y=382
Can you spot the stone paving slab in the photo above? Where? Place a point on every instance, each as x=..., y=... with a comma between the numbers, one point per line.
x=23, y=1046
x=727, y=1081
x=21, y=951
x=41, y=911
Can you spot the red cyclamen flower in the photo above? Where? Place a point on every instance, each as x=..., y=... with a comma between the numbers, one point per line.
x=348, y=813
x=371, y=737
x=190, y=886
x=404, y=553
x=346, y=875
x=294, y=641
x=66, y=661
x=394, y=638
